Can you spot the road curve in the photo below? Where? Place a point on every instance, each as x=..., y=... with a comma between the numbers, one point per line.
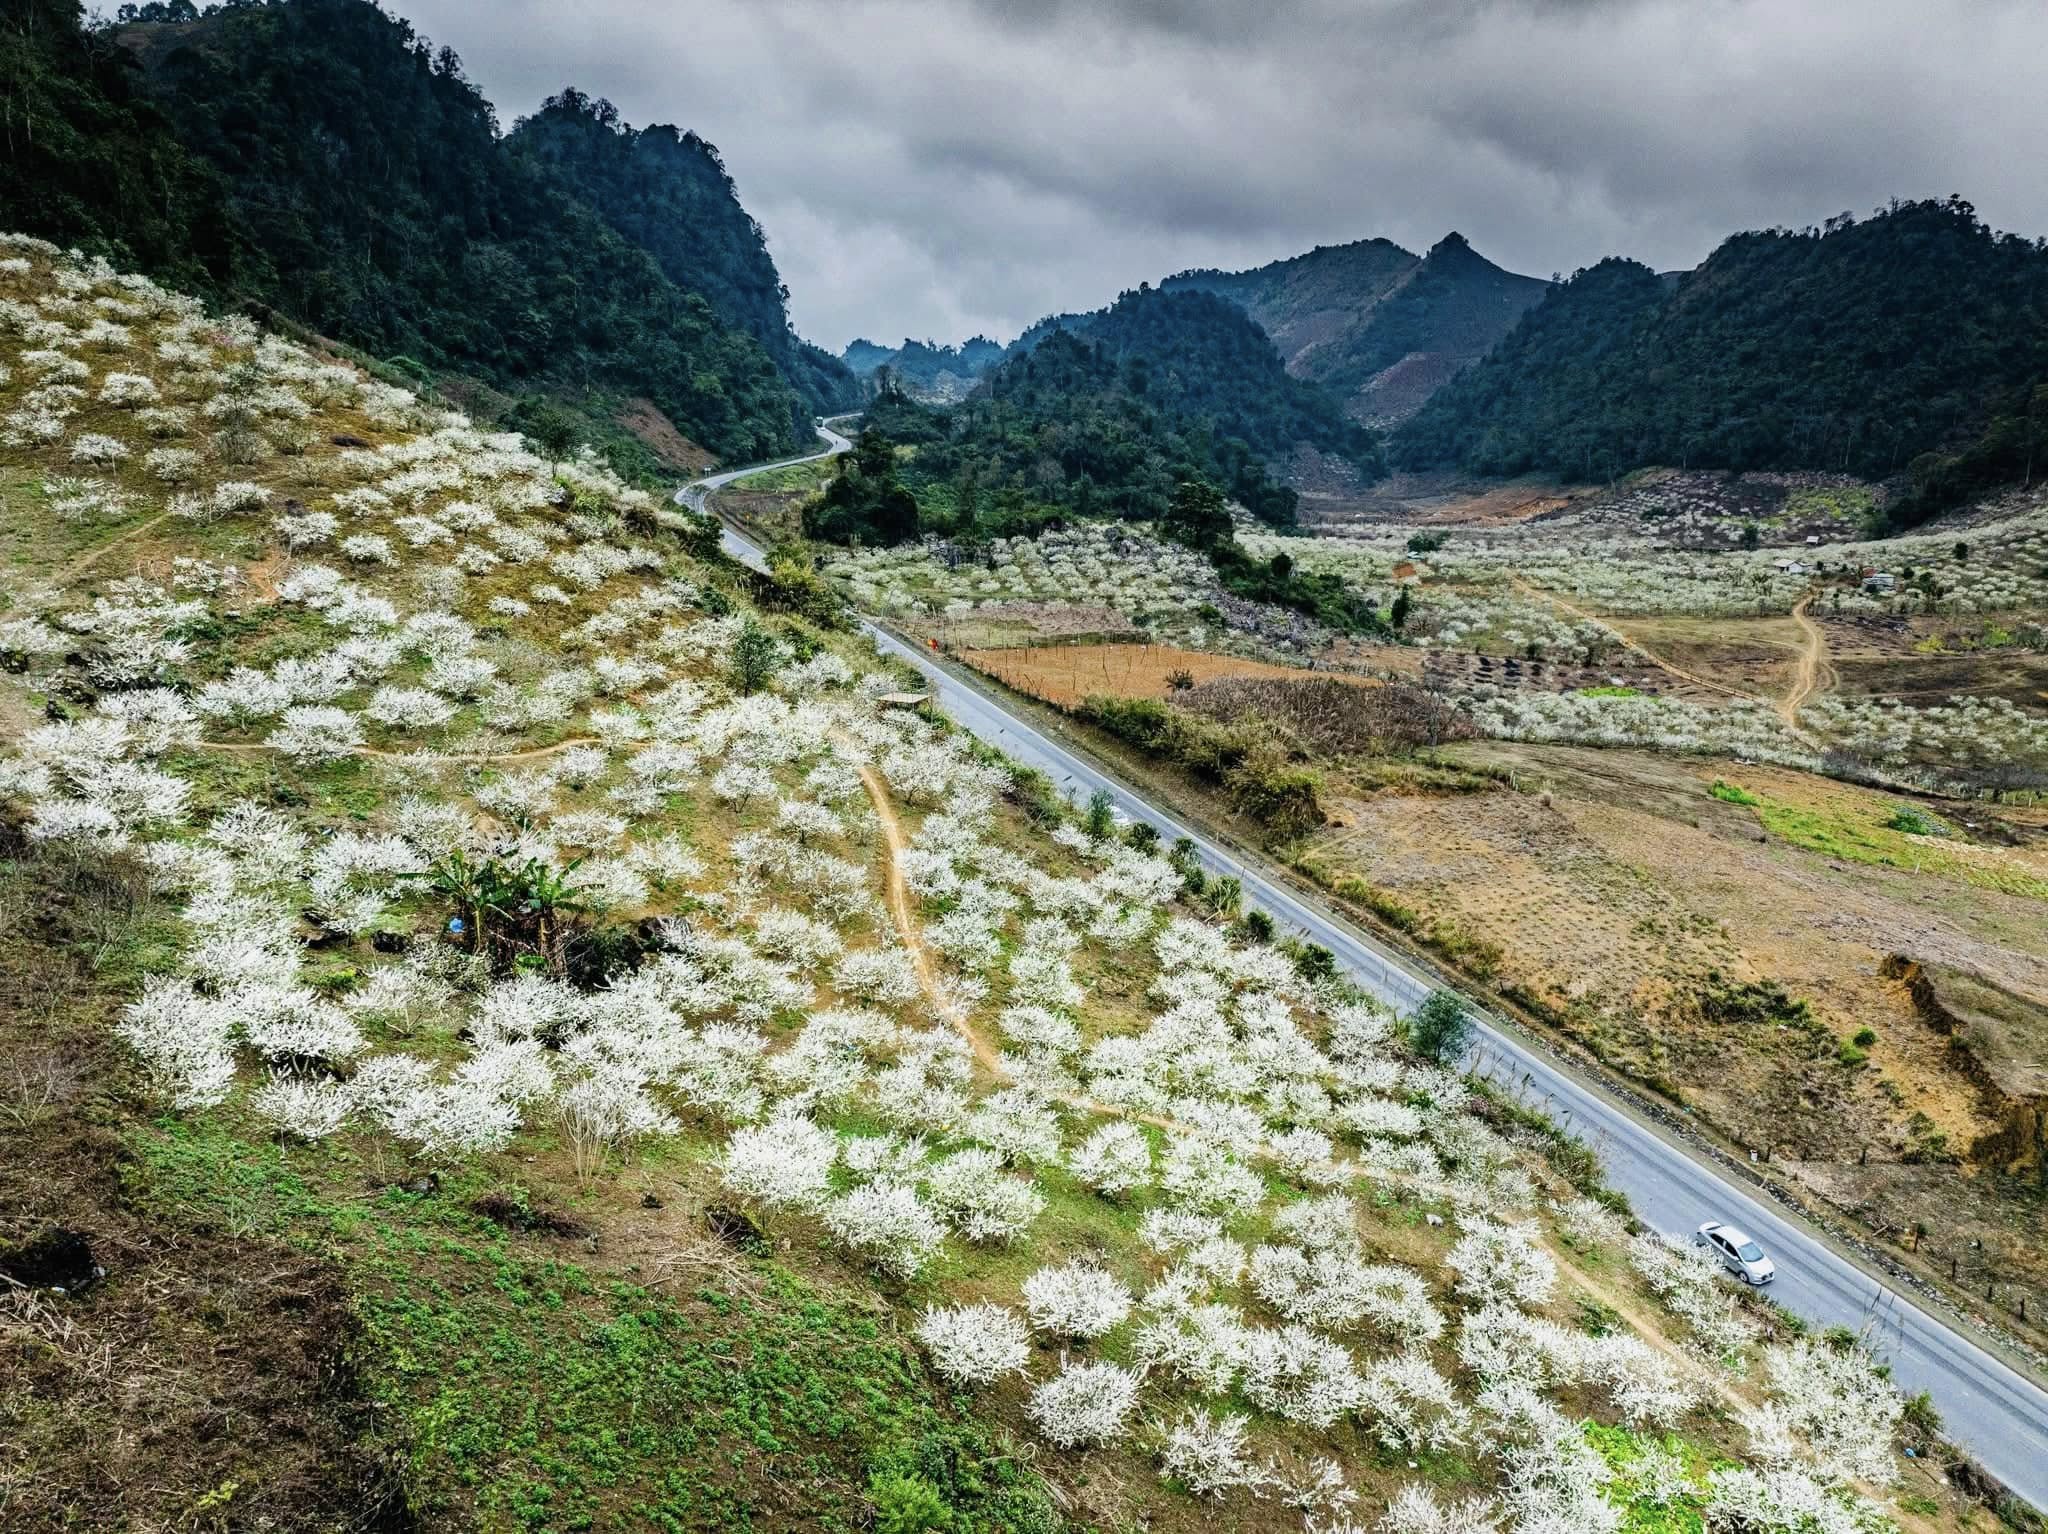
x=693, y=494
x=1989, y=1408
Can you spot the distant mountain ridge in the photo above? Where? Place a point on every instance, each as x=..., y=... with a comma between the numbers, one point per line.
x=1379, y=326
x=923, y=369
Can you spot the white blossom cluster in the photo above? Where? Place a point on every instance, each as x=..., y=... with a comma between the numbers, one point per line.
x=1095, y=563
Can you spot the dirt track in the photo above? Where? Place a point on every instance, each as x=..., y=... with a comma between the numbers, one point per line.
x=1628, y=643
x=70, y=572
x=417, y=756
x=1815, y=672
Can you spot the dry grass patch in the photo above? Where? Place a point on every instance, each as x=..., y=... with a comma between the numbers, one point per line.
x=1065, y=674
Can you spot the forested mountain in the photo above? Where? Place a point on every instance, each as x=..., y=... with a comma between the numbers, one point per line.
x=924, y=369
x=315, y=159
x=1379, y=326
x=1069, y=429
x=1161, y=388
x=864, y=356
x=1914, y=339
x=1200, y=358
x=667, y=191
x=88, y=161
x=1073, y=323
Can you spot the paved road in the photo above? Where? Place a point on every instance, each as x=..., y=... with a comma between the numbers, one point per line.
x=693, y=494
x=1992, y=1410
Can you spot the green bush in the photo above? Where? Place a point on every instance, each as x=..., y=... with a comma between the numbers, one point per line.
x=1283, y=799
x=1917, y=822
x=1440, y=1028
x=908, y=1504
x=1865, y=1037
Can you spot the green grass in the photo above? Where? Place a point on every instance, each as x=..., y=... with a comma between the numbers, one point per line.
x=1914, y=822
x=1840, y=831
x=1683, y=1513
x=1608, y=691
x=520, y=1389
x=1842, y=503
x=1731, y=793
x=790, y=477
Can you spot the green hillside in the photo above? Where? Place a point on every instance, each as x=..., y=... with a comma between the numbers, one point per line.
x=667, y=191
x=924, y=368
x=316, y=161
x=1159, y=389
x=1873, y=347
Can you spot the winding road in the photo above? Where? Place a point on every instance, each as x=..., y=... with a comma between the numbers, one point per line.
x=1996, y=1413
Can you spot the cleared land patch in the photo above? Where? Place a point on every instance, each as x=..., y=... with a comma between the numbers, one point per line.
x=1065, y=674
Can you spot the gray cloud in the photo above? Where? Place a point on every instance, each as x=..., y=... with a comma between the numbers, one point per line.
x=927, y=168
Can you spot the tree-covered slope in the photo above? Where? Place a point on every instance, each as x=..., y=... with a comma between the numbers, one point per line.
x=375, y=202
x=315, y=160
x=1446, y=314
x=667, y=191
x=1201, y=358
x=1307, y=302
x=1160, y=389
x=924, y=369
x=1859, y=347
x=86, y=160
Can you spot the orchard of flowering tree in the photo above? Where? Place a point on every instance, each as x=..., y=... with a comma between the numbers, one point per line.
x=499, y=832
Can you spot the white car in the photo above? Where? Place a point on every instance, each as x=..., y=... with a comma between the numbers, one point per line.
x=1738, y=1253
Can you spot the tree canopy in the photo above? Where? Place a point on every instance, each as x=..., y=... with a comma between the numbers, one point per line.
x=319, y=160
x=1856, y=346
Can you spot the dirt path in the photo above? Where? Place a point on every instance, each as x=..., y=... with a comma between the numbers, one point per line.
x=71, y=572
x=926, y=969
x=1815, y=672
x=907, y=930
x=1628, y=643
x=1649, y=1323
x=414, y=756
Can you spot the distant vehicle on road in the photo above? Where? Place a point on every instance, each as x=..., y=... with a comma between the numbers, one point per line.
x=1737, y=1252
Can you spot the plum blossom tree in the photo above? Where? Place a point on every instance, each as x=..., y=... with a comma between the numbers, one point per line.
x=1301, y=1376
x=1085, y=1403
x=1115, y=1160
x=1502, y=1263
x=975, y=1344
x=983, y=1201
x=1075, y=1300
x=317, y=733
x=1209, y=1455
x=888, y=1224
x=783, y=1164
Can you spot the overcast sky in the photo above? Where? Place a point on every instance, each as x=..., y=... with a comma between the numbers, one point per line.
x=940, y=167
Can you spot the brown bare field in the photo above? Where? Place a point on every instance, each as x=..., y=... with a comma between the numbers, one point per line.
x=1441, y=500
x=1614, y=895
x=1063, y=675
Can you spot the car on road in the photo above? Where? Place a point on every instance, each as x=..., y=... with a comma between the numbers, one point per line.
x=1737, y=1252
